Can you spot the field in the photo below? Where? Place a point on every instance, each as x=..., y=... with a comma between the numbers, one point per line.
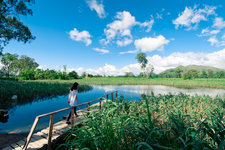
x=211, y=83
x=156, y=122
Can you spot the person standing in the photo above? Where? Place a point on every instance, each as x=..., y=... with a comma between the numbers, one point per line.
x=72, y=99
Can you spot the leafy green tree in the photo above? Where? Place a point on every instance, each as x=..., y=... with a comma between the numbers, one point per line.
x=142, y=60
x=178, y=72
x=73, y=75
x=25, y=62
x=190, y=74
x=10, y=25
x=27, y=74
x=204, y=74
x=220, y=74
x=9, y=62
x=39, y=74
x=129, y=74
x=210, y=73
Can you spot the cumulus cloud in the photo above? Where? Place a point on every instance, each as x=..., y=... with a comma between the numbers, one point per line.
x=191, y=17
x=99, y=8
x=161, y=63
x=149, y=44
x=219, y=23
x=102, y=51
x=214, y=59
x=83, y=36
x=120, y=28
x=129, y=52
x=124, y=42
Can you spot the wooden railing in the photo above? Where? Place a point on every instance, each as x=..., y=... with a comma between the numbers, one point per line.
x=52, y=114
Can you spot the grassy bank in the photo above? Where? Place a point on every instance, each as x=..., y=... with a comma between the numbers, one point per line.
x=156, y=122
x=27, y=91
x=211, y=83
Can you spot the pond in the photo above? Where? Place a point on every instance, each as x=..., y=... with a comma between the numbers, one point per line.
x=21, y=117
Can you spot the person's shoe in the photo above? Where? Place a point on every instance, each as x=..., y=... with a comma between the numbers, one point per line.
x=68, y=122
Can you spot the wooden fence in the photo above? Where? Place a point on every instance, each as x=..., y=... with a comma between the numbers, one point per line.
x=52, y=114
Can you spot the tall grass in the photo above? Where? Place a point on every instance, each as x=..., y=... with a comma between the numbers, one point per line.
x=27, y=91
x=156, y=122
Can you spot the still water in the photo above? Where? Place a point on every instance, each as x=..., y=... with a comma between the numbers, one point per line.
x=21, y=117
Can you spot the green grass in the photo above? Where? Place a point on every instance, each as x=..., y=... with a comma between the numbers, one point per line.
x=156, y=122
x=211, y=83
x=27, y=91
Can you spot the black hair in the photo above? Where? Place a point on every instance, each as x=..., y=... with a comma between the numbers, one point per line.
x=74, y=86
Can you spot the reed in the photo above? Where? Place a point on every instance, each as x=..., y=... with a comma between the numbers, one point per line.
x=155, y=122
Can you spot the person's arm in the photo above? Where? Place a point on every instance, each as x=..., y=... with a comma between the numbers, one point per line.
x=77, y=100
x=68, y=100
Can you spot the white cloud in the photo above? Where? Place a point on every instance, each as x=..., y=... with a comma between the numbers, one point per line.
x=158, y=16
x=124, y=42
x=129, y=52
x=99, y=8
x=148, y=24
x=103, y=51
x=150, y=44
x=120, y=28
x=191, y=17
x=83, y=36
x=207, y=32
x=219, y=23
x=213, y=40
x=214, y=59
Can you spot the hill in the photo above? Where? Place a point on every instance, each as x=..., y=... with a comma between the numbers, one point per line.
x=199, y=68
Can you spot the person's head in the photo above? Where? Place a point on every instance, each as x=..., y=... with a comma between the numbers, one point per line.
x=74, y=86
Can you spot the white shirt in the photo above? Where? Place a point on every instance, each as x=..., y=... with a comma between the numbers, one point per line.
x=72, y=97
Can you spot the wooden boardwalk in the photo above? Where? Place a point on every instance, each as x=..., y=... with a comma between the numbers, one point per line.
x=54, y=132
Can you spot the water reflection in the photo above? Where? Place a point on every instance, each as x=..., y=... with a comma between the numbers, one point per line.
x=160, y=89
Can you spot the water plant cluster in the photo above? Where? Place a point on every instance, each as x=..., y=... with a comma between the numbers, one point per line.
x=155, y=122
x=28, y=91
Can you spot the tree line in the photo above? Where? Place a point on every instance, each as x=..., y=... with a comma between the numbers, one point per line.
x=26, y=68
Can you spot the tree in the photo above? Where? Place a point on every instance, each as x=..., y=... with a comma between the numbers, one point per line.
x=204, y=74
x=73, y=75
x=192, y=73
x=142, y=60
x=210, y=73
x=10, y=25
x=8, y=60
x=25, y=62
x=178, y=72
x=129, y=74
x=149, y=69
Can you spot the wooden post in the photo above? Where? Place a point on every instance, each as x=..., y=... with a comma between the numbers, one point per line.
x=72, y=116
x=107, y=96
x=88, y=109
x=50, y=131
x=100, y=103
x=31, y=133
x=112, y=96
x=116, y=96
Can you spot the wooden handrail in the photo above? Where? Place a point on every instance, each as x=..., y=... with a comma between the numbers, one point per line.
x=52, y=119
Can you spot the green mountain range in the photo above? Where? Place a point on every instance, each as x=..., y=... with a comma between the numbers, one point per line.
x=189, y=67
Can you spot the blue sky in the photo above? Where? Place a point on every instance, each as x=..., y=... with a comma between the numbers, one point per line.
x=104, y=36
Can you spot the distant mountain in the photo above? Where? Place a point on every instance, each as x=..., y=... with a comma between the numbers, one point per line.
x=196, y=67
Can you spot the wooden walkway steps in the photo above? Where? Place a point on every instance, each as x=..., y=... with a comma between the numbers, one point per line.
x=44, y=138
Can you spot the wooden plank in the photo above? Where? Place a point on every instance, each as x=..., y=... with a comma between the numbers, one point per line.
x=20, y=143
x=7, y=148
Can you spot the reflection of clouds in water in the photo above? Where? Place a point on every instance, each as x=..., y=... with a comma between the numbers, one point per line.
x=160, y=89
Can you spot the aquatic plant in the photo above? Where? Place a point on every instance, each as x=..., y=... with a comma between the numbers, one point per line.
x=156, y=122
